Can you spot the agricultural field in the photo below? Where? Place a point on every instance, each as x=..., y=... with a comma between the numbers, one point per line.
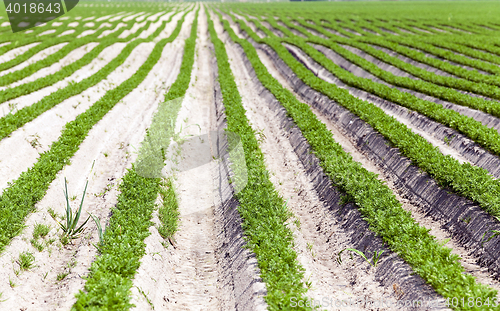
x=252, y=156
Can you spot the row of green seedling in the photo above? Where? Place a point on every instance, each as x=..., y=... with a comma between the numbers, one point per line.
x=433, y=262
x=491, y=107
x=66, y=71
x=12, y=122
x=20, y=197
x=263, y=211
x=110, y=280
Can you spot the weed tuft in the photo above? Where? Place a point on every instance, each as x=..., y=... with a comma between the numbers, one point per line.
x=26, y=261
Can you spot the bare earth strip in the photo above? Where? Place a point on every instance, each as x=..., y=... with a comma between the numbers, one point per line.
x=111, y=143
x=184, y=277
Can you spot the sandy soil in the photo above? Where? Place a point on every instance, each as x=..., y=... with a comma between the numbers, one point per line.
x=185, y=276
x=111, y=143
x=67, y=32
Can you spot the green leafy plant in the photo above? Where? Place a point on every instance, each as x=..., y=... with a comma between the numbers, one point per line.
x=40, y=230
x=36, y=244
x=26, y=260
x=70, y=228
x=99, y=230
x=12, y=284
x=146, y=297
x=495, y=233
x=375, y=257
x=62, y=275
x=52, y=213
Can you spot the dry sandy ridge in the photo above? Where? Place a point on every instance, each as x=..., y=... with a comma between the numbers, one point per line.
x=184, y=277
x=108, y=144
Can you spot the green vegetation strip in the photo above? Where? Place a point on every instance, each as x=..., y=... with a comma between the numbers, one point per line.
x=451, y=55
x=110, y=280
x=263, y=211
x=445, y=169
x=432, y=261
x=45, y=43
x=438, y=86
x=47, y=61
x=12, y=122
x=19, y=199
x=485, y=136
x=64, y=72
